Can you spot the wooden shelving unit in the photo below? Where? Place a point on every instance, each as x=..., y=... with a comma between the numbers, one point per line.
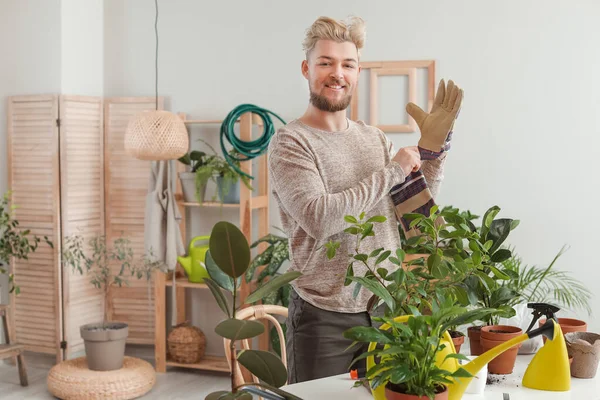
x=248, y=203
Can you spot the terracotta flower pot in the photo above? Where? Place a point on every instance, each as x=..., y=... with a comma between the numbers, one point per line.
x=392, y=394
x=568, y=325
x=584, y=347
x=474, y=333
x=492, y=336
x=458, y=340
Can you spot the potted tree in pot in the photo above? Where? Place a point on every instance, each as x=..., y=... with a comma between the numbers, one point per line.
x=14, y=242
x=230, y=253
x=107, y=267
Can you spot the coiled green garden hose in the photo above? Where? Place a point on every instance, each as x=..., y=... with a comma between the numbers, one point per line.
x=247, y=149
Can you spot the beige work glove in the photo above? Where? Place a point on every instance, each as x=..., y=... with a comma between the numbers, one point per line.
x=436, y=126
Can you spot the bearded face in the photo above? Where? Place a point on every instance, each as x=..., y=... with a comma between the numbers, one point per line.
x=332, y=72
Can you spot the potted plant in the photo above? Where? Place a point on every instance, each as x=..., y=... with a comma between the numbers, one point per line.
x=107, y=267
x=230, y=253
x=549, y=285
x=14, y=242
x=410, y=352
x=192, y=188
x=228, y=178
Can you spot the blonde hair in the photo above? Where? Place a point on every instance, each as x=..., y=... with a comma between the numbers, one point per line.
x=325, y=28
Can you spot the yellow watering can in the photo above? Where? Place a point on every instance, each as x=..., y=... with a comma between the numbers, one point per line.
x=194, y=263
x=548, y=370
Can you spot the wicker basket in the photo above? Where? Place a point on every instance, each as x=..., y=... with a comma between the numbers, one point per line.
x=186, y=344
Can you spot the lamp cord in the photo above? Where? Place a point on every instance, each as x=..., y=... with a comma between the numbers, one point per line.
x=156, y=56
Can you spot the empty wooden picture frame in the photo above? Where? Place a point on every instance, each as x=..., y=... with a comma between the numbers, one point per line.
x=375, y=69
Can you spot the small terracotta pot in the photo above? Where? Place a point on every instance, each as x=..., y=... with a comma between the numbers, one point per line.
x=393, y=395
x=492, y=336
x=474, y=333
x=585, y=357
x=568, y=325
x=458, y=341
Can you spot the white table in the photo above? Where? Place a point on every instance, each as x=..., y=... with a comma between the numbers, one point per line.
x=339, y=387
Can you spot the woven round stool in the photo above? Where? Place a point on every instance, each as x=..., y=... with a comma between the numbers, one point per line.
x=72, y=379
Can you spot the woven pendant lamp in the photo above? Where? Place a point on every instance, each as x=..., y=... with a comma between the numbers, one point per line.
x=156, y=135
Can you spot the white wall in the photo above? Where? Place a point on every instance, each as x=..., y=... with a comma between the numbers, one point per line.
x=82, y=41
x=529, y=69
x=527, y=134
x=31, y=49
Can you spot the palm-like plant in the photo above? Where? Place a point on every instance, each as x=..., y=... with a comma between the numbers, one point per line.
x=546, y=284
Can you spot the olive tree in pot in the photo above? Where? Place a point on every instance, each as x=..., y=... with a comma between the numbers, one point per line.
x=230, y=253
x=107, y=268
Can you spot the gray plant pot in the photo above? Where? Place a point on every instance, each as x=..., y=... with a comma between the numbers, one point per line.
x=188, y=187
x=229, y=193
x=104, y=345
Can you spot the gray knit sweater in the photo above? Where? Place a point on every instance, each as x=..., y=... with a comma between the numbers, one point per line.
x=318, y=177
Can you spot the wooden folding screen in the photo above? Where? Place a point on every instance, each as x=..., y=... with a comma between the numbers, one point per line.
x=33, y=176
x=82, y=206
x=69, y=174
x=126, y=185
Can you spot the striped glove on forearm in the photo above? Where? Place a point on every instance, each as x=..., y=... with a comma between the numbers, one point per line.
x=411, y=196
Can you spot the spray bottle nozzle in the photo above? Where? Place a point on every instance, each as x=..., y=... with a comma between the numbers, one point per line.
x=540, y=309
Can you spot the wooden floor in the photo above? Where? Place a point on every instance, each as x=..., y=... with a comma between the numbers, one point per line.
x=177, y=383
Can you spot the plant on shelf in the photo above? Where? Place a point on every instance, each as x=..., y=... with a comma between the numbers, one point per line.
x=107, y=267
x=212, y=167
x=14, y=242
x=229, y=252
x=413, y=351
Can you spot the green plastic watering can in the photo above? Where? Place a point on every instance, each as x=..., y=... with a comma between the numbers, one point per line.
x=194, y=263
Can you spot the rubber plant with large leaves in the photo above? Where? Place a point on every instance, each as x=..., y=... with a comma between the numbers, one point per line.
x=227, y=261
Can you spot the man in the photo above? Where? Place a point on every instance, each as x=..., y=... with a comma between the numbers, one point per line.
x=324, y=166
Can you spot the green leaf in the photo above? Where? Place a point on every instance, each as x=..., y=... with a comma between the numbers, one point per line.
x=237, y=329
x=376, y=252
x=265, y=365
x=368, y=230
x=488, y=217
x=218, y=295
x=229, y=249
x=461, y=373
x=353, y=230
x=377, y=289
x=501, y=255
x=272, y=285
x=382, y=272
x=350, y=219
x=356, y=291
x=377, y=218
x=362, y=215
x=434, y=262
x=382, y=257
x=457, y=356
x=369, y=334
x=401, y=254
x=215, y=273
x=349, y=273
x=498, y=233
x=514, y=224
x=361, y=257
x=499, y=274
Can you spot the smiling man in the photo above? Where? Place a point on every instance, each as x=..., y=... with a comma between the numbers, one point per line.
x=324, y=166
